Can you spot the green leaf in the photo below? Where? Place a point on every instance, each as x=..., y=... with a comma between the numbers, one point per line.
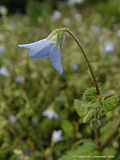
x=88, y=116
x=85, y=110
x=109, y=152
x=86, y=150
x=90, y=95
x=81, y=108
x=110, y=103
x=67, y=128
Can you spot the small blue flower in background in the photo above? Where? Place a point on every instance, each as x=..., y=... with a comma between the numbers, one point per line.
x=2, y=50
x=3, y=11
x=12, y=119
x=75, y=67
x=4, y=72
x=57, y=136
x=20, y=79
x=56, y=15
x=50, y=114
x=46, y=48
x=35, y=120
x=107, y=47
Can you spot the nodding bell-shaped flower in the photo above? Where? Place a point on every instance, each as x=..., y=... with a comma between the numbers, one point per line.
x=47, y=48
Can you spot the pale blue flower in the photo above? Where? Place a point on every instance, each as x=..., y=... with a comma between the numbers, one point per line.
x=75, y=67
x=2, y=50
x=51, y=114
x=57, y=136
x=56, y=15
x=45, y=49
x=73, y=2
x=4, y=72
x=109, y=47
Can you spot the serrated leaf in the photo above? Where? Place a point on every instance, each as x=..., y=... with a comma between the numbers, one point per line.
x=89, y=95
x=110, y=103
x=87, y=150
x=81, y=108
x=88, y=116
x=85, y=110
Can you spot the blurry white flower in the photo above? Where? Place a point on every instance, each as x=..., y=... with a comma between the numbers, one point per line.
x=72, y=2
x=95, y=29
x=20, y=79
x=4, y=72
x=34, y=120
x=3, y=11
x=78, y=16
x=56, y=15
x=18, y=152
x=50, y=114
x=118, y=33
x=13, y=25
x=75, y=67
x=57, y=136
x=66, y=21
x=12, y=119
x=2, y=50
x=108, y=47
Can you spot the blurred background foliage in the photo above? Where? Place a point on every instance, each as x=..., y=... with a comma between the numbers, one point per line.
x=44, y=116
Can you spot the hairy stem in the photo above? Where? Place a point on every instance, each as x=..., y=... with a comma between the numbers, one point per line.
x=112, y=134
x=97, y=138
x=84, y=54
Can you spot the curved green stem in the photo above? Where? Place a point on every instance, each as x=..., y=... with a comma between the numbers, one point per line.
x=84, y=54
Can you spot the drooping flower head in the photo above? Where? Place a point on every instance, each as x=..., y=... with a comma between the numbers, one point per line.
x=50, y=48
x=47, y=48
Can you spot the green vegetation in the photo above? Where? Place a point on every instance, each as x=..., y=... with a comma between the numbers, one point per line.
x=29, y=89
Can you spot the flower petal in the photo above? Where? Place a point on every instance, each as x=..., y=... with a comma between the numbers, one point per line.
x=45, y=49
x=55, y=57
x=39, y=49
